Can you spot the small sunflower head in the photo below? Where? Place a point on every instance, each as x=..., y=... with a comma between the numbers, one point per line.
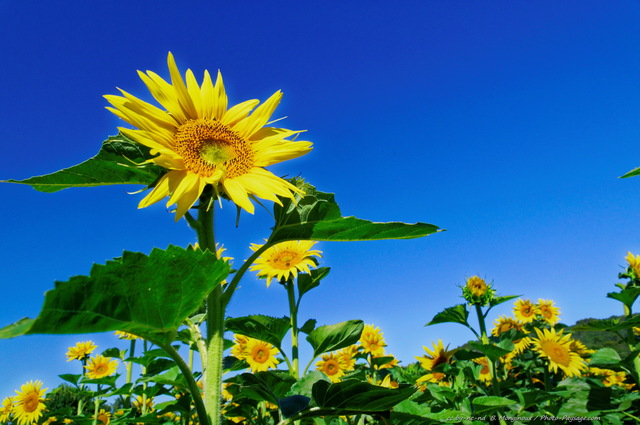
x=633, y=269
x=285, y=260
x=477, y=291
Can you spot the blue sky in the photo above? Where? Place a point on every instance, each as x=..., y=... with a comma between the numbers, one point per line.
x=505, y=123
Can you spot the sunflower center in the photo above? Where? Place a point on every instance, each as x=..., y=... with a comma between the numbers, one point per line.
x=260, y=355
x=285, y=259
x=211, y=149
x=331, y=368
x=557, y=353
x=100, y=369
x=30, y=403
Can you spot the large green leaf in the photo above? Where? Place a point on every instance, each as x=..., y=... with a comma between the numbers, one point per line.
x=264, y=328
x=486, y=404
x=334, y=337
x=316, y=216
x=456, y=314
x=357, y=396
x=492, y=351
x=149, y=296
x=307, y=282
x=626, y=296
x=116, y=163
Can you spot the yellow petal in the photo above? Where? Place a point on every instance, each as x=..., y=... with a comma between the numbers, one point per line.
x=238, y=195
x=238, y=112
x=159, y=192
x=164, y=93
x=185, y=101
x=194, y=93
x=259, y=117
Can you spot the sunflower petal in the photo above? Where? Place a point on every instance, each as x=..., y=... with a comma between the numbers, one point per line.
x=238, y=112
x=238, y=195
x=259, y=117
x=185, y=101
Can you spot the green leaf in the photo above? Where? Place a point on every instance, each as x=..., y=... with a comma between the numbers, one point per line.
x=499, y=300
x=605, y=356
x=149, y=296
x=308, y=326
x=334, y=337
x=69, y=377
x=493, y=352
x=607, y=324
x=316, y=216
x=456, y=314
x=264, y=328
x=356, y=396
x=116, y=163
x=305, y=384
x=307, y=282
x=485, y=404
x=634, y=172
x=271, y=385
x=626, y=296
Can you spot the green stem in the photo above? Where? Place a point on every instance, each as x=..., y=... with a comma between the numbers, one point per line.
x=631, y=342
x=293, y=311
x=191, y=382
x=196, y=336
x=215, y=318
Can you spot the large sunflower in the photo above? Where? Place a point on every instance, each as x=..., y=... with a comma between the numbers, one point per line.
x=201, y=141
x=285, y=259
x=557, y=349
x=28, y=404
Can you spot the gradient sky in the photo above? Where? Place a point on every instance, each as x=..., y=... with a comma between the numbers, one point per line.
x=506, y=123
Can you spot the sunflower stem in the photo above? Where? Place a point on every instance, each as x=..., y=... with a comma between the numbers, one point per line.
x=215, y=318
x=293, y=311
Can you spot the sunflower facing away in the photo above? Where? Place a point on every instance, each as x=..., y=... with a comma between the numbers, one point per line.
x=435, y=357
x=28, y=403
x=81, y=350
x=372, y=341
x=557, y=349
x=101, y=366
x=285, y=259
x=200, y=141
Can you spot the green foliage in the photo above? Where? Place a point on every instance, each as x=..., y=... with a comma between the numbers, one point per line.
x=149, y=296
x=307, y=282
x=317, y=216
x=456, y=314
x=119, y=161
x=634, y=172
x=264, y=328
x=334, y=337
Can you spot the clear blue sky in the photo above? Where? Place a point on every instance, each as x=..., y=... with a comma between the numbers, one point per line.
x=507, y=123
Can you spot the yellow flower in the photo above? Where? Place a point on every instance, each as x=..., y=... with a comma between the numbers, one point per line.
x=435, y=357
x=200, y=141
x=386, y=382
x=578, y=347
x=260, y=355
x=549, y=312
x=477, y=286
x=485, y=372
x=81, y=350
x=67, y=421
x=28, y=404
x=372, y=341
x=125, y=335
x=504, y=324
x=525, y=311
x=146, y=402
x=348, y=356
x=100, y=366
x=634, y=262
x=5, y=410
x=331, y=365
x=51, y=420
x=557, y=349
x=285, y=259
x=104, y=417
x=239, y=349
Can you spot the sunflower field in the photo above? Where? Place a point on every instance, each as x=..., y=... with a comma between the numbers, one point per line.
x=187, y=362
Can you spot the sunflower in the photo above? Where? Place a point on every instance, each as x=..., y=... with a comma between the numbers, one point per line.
x=525, y=311
x=5, y=410
x=634, y=262
x=504, y=324
x=200, y=141
x=285, y=259
x=104, y=417
x=549, y=312
x=260, y=355
x=557, y=349
x=100, y=367
x=332, y=365
x=81, y=350
x=143, y=402
x=239, y=348
x=28, y=404
x=125, y=335
x=485, y=372
x=372, y=341
x=439, y=355
x=348, y=356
